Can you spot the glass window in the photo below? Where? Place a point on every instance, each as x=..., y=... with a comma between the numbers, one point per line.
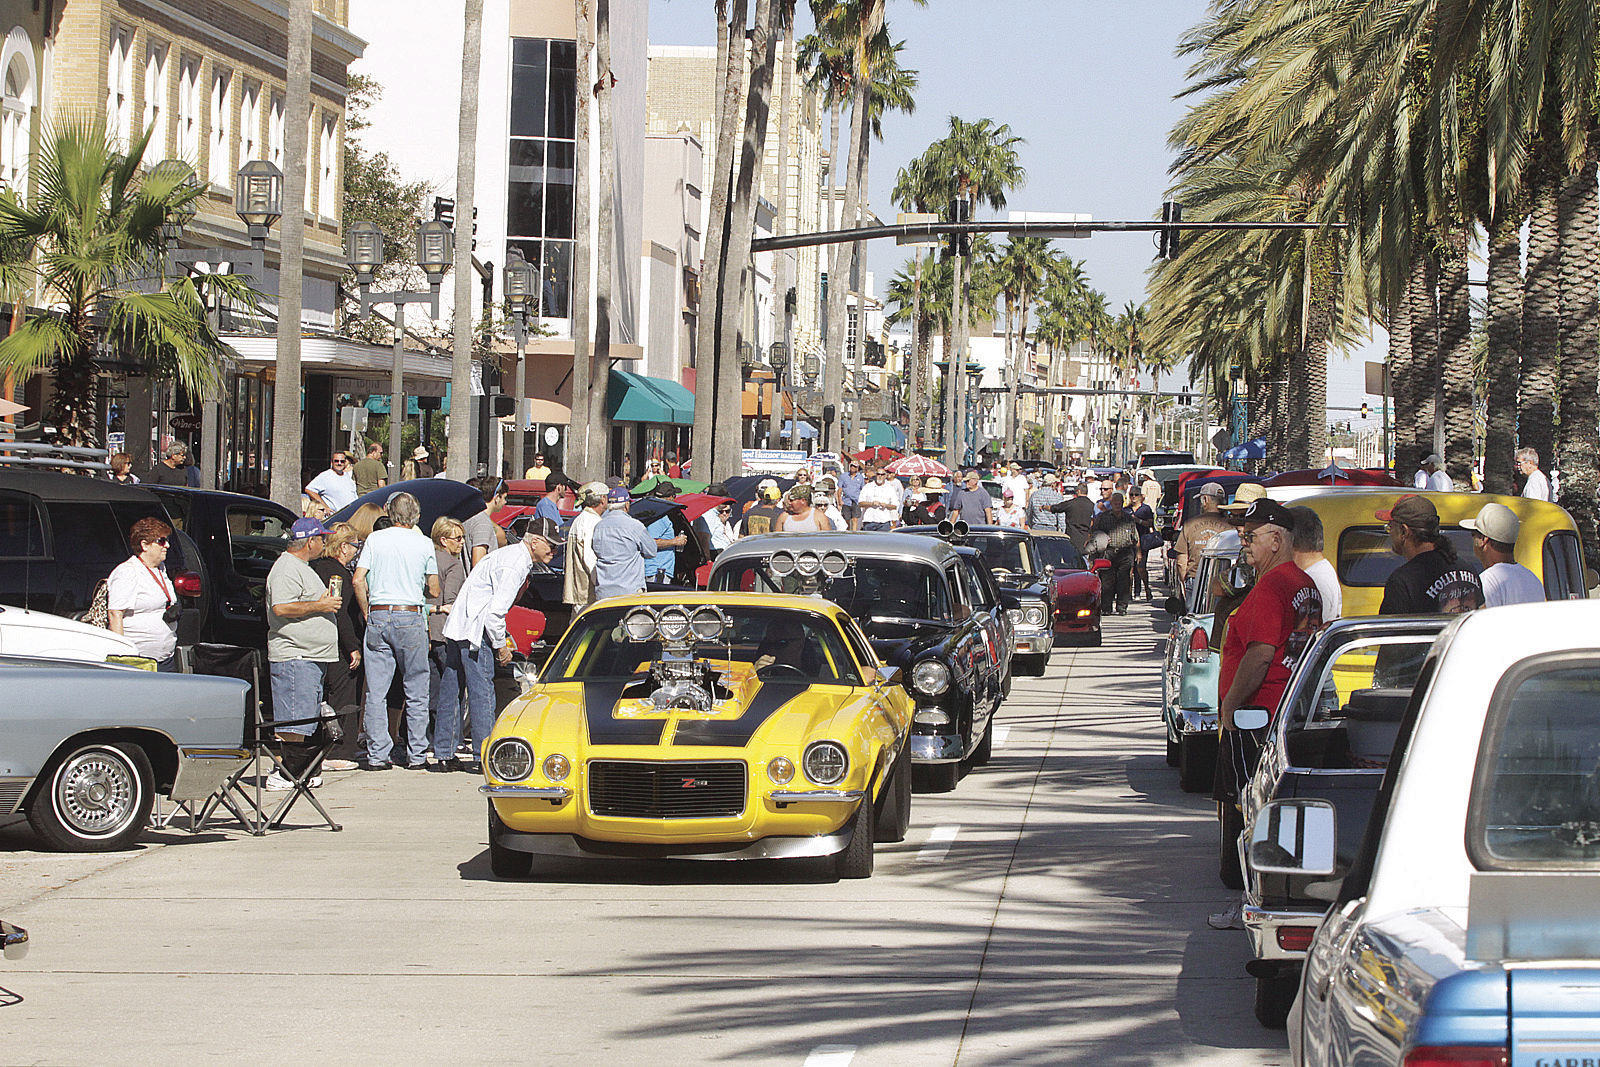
x=1348, y=669
x=21, y=527
x=1563, y=567
x=1058, y=552
x=256, y=538
x=971, y=590
x=529, y=82
x=524, y=209
x=871, y=587
x=1535, y=801
x=1365, y=558
x=1005, y=553
x=89, y=534
x=563, y=89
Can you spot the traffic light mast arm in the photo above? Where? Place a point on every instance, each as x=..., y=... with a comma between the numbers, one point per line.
x=1026, y=229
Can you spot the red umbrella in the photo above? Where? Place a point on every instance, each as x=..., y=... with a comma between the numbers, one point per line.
x=922, y=465
x=877, y=454
x=697, y=504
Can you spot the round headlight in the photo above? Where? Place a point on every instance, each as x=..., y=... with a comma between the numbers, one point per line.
x=639, y=625
x=781, y=770
x=834, y=564
x=826, y=762
x=557, y=767
x=1033, y=616
x=673, y=624
x=510, y=759
x=930, y=677
x=807, y=564
x=781, y=564
x=707, y=624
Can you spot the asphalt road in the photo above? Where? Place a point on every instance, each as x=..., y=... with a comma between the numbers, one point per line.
x=1050, y=910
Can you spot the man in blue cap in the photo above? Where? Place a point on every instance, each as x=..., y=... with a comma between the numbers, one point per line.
x=302, y=635
x=621, y=547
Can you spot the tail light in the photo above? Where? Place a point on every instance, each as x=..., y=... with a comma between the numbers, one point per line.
x=1199, y=645
x=1295, y=938
x=1457, y=1056
x=187, y=584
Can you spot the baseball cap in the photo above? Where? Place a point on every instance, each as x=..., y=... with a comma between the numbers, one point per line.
x=304, y=529
x=1007, y=492
x=1434, y=458
x=617, y=495
x=1496, y=522
x=1050, y=478
x=593, y=493
x=770, y=492
x=1266, y=511
x=1412, y=510
x=1245, y=495
x=1213, y=489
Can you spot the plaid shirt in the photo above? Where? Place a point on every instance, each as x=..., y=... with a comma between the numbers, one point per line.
x=1040, y=517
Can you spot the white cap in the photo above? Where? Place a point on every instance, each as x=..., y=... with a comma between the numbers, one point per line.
x=1496, y=522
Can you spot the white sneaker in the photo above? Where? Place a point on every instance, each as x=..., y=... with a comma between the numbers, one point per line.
x=1229, y=918
x=277, y=783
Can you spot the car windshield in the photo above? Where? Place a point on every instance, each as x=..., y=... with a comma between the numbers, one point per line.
x=884, y=588
x=596, y=647
x=1058, y=552
x=1003, y=553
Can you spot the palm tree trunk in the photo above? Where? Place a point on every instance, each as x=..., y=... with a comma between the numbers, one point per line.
x=1455, y=355
x=606, y=244
x=730, y=52
x=954, y=394
x=458, y=453
x=914, y=383
x=580, y=455
x=1421, y=376
x=1505, y=359
x=1579, y=447
x=858, y=272
x=1319, y=335
x=1541, y=320
x=287, y=431
x=832, y=311
x=839, y=275
x=1398, y=363
x=781, y=262
x=742, y=221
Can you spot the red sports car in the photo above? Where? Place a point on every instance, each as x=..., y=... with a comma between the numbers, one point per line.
x=1077, y=587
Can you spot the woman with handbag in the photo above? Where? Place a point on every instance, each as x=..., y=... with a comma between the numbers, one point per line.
x=141, y=603
x=1149, y=541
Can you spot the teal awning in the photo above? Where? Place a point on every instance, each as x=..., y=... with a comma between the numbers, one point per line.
x=640, y=398
x=887, y=434
x=379, y=404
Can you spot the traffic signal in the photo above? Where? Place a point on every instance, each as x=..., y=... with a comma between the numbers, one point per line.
x=1363, y=409
x=1170, y=238
x=502, y=404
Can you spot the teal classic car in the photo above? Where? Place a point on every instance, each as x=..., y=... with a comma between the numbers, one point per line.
x=1189, y=675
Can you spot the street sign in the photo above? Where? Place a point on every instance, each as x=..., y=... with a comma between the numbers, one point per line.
x=1378, y=379
x=186, y=422
x=910, y=218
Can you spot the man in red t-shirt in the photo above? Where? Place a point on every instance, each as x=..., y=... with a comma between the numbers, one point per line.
x=1265, y=638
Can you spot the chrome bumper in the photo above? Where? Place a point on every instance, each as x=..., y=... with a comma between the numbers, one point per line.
x=1196, y=720
x=1261, y=926
x=556, y=793
x=768, y=848
x=1034, y=642
x=937, y=748
x=817, y=796
x=14, y=940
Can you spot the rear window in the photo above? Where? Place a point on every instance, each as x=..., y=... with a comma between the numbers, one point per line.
x=1058, y=552
x=1536, y=797
x=1563, y=567
x=89, y=534
x=1366, y=560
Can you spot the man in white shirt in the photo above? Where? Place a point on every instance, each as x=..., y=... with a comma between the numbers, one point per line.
x=1494, y=542
x=1537, y=486
x=578, y=584
x=1309, y=558
x=880, y=501
x=1017, y=482
x=476, y=628
x=1432, y=475
x=334, y=487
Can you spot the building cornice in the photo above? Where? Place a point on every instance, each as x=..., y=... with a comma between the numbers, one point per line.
x=204, y=28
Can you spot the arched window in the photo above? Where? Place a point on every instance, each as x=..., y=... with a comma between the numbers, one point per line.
x=16, y=108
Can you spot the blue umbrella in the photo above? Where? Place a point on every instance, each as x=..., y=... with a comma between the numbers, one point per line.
x=1252, y=449
x=439, y=497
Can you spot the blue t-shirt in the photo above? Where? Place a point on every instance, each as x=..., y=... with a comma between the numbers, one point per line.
x=665, y=559
x=398, y=561
x=969, y=505
x=547, y=509
x=850, y=486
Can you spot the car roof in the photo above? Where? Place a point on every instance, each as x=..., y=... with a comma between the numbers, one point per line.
x=222, y=495
x=850, y=542
x=53, y=485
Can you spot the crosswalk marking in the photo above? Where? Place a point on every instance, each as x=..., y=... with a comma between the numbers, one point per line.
x=939, y=839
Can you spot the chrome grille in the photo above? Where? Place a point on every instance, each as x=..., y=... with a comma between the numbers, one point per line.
x=667, y=789
x=11, y=792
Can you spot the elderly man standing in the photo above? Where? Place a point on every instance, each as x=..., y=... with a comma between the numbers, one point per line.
x=1537, y=486
x=621, y=549
x=972, y=503
x=396, y=571
x=1266, y=635
x=1198, y=530
x=1433, y=476
x=475, y=637
x=302, y=635
x=1040, y=511
x=880, y=501
x=172, y=470
x=334, y=487
x=578, y=579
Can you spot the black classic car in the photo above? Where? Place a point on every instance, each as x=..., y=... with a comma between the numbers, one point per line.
x=929, y=608
x=1027, y=584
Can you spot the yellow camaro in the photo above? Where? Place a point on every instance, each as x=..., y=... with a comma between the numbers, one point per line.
x=703, y=726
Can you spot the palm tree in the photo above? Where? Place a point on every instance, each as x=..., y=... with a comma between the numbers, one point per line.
x=605, y=252
x=90, y=239
x=458, y=453
x=579, y=450
x=1023, y=269
x=287, y=430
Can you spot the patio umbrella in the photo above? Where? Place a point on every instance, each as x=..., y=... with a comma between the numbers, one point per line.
x=877, y=454
x=1255, y=448
x=439, y=497
x=697, y=504
x=9, y=408
x=682, y=484
x=909, y=465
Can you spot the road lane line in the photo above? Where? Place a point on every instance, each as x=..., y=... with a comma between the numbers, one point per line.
x=939, y=840
x=1000, y=734
x=831, y=1056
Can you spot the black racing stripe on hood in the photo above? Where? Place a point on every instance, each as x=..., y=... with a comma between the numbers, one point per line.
x=736, y=733
x=600, y=702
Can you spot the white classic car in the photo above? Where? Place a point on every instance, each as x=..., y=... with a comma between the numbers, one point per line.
x=38, y=633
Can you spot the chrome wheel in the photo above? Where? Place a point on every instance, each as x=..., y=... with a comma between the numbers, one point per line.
x=96, y=792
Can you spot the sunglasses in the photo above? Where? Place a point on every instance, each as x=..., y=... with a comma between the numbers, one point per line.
x=162, y=541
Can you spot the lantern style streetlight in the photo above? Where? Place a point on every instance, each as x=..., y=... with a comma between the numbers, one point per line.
x=521, y=281
x=258, y=198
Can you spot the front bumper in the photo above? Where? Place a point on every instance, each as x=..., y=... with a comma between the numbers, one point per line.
x=1261, y=926
x=1196, y=720
x=1035, y=642
x=767, y=848
x=938, y=748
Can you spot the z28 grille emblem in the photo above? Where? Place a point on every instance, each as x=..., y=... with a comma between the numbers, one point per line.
x=695, y=783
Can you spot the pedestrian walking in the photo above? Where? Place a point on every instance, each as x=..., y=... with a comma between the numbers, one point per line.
x=1040, y=509
x=173, y=468
x=577, y=587
x=334, y=487
x=302, y=637
x=1078, y=513
x=1535, y=486
x=1432, y=475
x=1010, y=513
x=972, y=503
x=341, y=677
x=1494, y=542
x=881, y=500
x=141, y=603
x=417, y=466
x=1122, y=544
x=370, y=473
x=481, y=533
x=444, y=670
x=851, y=483
x=396, y=570
x=825, y=499
x=1198, y=530
x=621, y=548
x=764, y=516
x=1145, y=519
x=922, y=505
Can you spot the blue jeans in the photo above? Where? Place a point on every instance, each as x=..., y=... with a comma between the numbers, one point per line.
x=296, y=694
x=396, y=640
x=463, y=661
x=877, y=526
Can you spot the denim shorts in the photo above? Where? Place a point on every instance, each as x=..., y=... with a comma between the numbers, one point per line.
x=297, y=694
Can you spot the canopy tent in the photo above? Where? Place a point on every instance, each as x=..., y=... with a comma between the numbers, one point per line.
x=885, y=434
x=641, y=398
x=808, y=432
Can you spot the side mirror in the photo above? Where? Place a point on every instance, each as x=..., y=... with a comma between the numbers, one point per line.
x=526, y=674
x=1251, y=718
x=888, y=676
x=1294, y=837
x=1099, y=565
x=1173, y=606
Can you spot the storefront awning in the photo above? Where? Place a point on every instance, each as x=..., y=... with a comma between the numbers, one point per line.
x=641, y=398
x=883, y=433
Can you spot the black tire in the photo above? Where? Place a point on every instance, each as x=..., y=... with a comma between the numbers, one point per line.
x=1094, y=641
x=1172, y=752
x=1274, y=997
x=1037, y=665
x=94, y=798
x=1230, y=824
x=855, y=861
x=505, y=862
x=1197, y=763
x=984, y=748
x=935, y=777
x=894, y=808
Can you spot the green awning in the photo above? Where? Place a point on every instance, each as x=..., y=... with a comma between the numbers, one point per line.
x=887, y=434
x=640, y=398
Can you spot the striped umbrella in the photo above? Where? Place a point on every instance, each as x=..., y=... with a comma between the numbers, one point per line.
x=922, y=465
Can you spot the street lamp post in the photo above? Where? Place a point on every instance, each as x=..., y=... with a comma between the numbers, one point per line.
x=521, y=279
x=258, y=201
x=363, y=251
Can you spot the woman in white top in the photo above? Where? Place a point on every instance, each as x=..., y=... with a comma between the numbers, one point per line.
x=1010, y=512
x=141, y=602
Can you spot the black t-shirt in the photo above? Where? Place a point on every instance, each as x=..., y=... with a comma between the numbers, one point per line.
x=759, y=520
x=1428, y=584
x=161, y=474
x=1079, y=512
